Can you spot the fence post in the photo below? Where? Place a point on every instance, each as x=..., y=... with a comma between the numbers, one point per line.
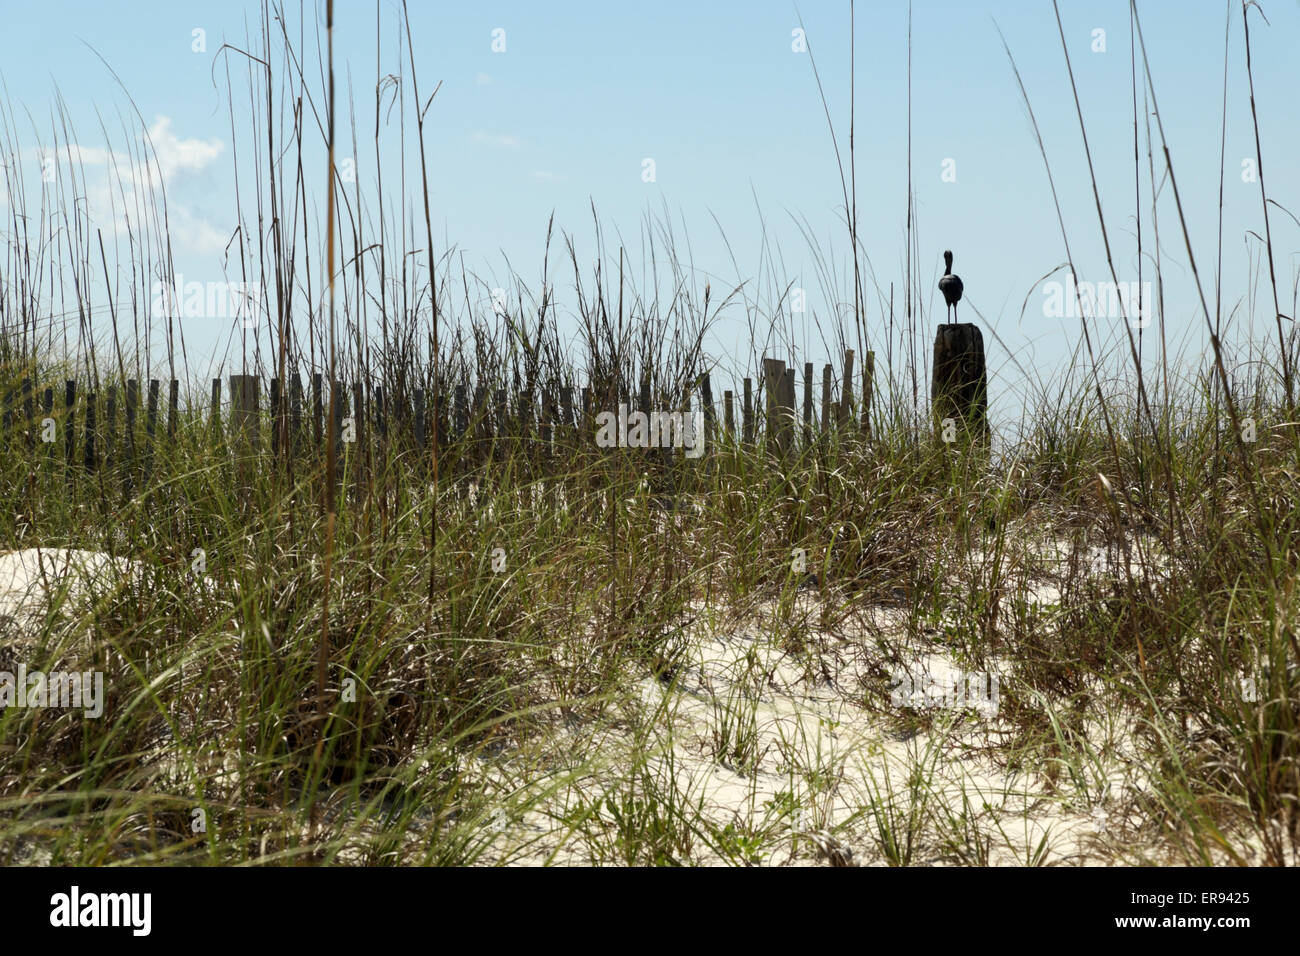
x=773, y=371
x=215, y=417
x=243, y=407
x=27, y=409
x=275, y=417
x=110, y=430
x=807, y=403
x=90, y=432
x=70, y=426
x=132, y=410
x=785, y=432
x=317, y=400
x=173, y=406
x=959, y=385
x=47, y=406
x=868, y=390
x=827, y=373
x=151, y=425
x=747, y=413
x=846, y=391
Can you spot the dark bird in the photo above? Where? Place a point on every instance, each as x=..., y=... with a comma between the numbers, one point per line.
x=950, y=286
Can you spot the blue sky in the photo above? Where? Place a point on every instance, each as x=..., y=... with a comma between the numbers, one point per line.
x=730, y=114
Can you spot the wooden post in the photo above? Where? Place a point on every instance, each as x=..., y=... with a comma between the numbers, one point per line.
x=132, y=406
x=243, y=407
x=151, y=415
x=110, y=430
x=459, y=411
x=275, y=417
x=786, y=411
x=959, y=386
x=27, y=410
x=566, y=409
x=846, y=392
x=729, y=415
x=868, y=390
x=773, y=376
x=317, y=410
x=807, y=403
x=359, y=431
x=710, y=414
x=295, y=413
x=359, y=412
x=151, y=425
x=747, y=412
x=173, y=405
x=48, y=407
x=338, y=399
x=90, y=432
x=548, y=420
x=70, y=426
x=827, y=388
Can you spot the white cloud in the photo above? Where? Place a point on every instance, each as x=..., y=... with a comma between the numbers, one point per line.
x=504, y=140
x=176, y=154
x=483, y=79
x=117, y=186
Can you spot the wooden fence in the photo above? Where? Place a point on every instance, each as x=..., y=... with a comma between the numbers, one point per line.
x=103, y=430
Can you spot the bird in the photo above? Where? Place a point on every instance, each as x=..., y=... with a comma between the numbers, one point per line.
x=950, y=286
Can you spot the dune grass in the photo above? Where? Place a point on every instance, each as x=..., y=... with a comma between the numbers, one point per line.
x=488, y=650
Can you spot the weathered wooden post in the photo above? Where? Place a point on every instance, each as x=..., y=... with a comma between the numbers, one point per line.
x=90, y=431
x=243, y=407
x=774, y=390
x=747, y=413
x=295, y=414
x=566, y=409
x=47, y=406
x=827, y=373
x=807, y=404
x=173, y=407
x=460, y=410
x=275, y=417
x=151, y=426
x=132, y=407
x=420, y=428
x=215, y=417
x=69, y=429
x=959, y=386
x=317, y=410
x=846, y=391
x=710, y=415
x=110, y=431
x=868, y=390
x=28, y=412
x=787, y=410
